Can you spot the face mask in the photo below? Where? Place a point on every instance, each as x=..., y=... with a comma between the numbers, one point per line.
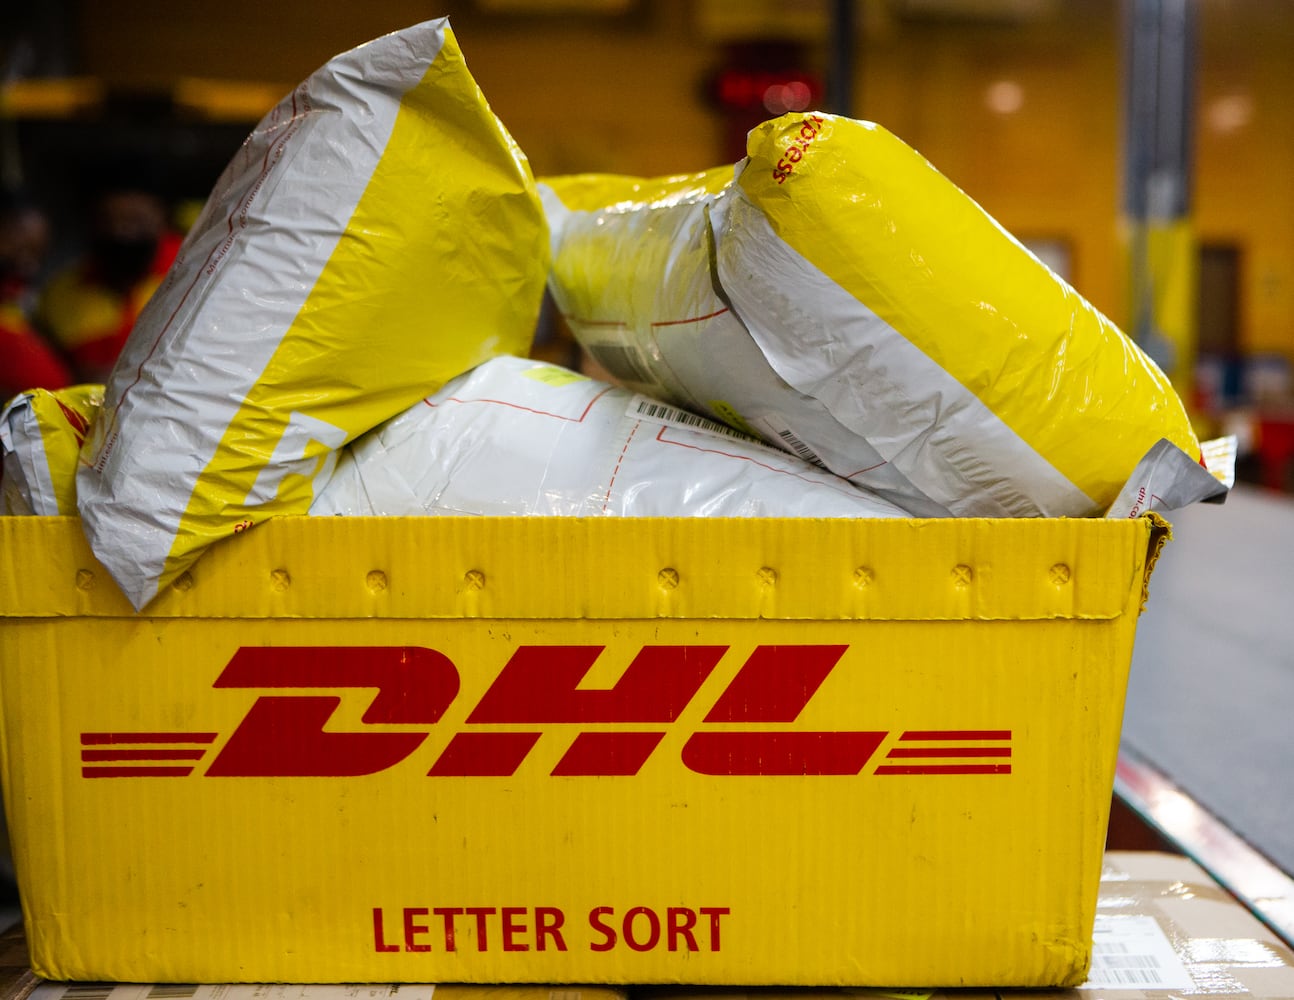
x=123, y=262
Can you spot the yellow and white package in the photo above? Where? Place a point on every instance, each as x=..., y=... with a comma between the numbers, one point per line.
x=873, y=283
x=41, y=432
x=377, y=234
x=951, y=369
x=521, y=437
x=632, y=276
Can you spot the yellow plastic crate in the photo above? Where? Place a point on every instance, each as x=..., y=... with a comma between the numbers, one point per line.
x=788, y=752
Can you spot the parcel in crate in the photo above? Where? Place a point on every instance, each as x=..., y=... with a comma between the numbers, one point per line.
x=705, y=751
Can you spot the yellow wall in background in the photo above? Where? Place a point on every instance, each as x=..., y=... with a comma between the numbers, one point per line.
x=623, y=93
x=583, y=92
x=1047, y=164
x=1245, y=158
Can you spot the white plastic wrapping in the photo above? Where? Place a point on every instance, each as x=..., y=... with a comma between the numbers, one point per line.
x=520, y=437
x=1166, y=478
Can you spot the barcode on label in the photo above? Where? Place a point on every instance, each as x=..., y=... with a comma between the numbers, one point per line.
x=650, y=409
x=1133, y=952
x=1128, y=977
x=622, y=361
x=799, y=447
x=1125, y=962
x=87, y=991
x=232, y=991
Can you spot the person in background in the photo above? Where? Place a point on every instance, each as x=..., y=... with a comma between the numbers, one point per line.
x=90, y=307
x=27, y=360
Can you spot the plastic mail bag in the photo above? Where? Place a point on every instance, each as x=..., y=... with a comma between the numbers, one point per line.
x=378, y=234
x=41, y=433
x=520, y=437
x=846, y=301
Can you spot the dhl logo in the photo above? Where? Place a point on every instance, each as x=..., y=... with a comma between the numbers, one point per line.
x=288, y=734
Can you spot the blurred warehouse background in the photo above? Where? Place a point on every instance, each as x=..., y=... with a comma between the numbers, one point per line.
x=1143, y=148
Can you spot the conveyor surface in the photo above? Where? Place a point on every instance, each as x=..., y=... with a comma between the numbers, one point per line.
x=1211, y=697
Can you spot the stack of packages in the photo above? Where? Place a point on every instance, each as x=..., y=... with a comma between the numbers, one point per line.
x=828, y=329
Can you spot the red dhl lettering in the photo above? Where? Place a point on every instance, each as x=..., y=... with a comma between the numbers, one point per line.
x=749, y=729
x=642, y=928
x=1139, y=503
x=545, y=928
x=443, y=928
x=810, y=129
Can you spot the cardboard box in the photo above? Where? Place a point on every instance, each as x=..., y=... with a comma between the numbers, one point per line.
x=297, y=991
x=16, y=978
x=1164, y=929
x=18, y=983
x=553, y=750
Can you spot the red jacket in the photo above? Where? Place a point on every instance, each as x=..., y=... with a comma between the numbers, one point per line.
x=91, y=321
x=26, y=360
